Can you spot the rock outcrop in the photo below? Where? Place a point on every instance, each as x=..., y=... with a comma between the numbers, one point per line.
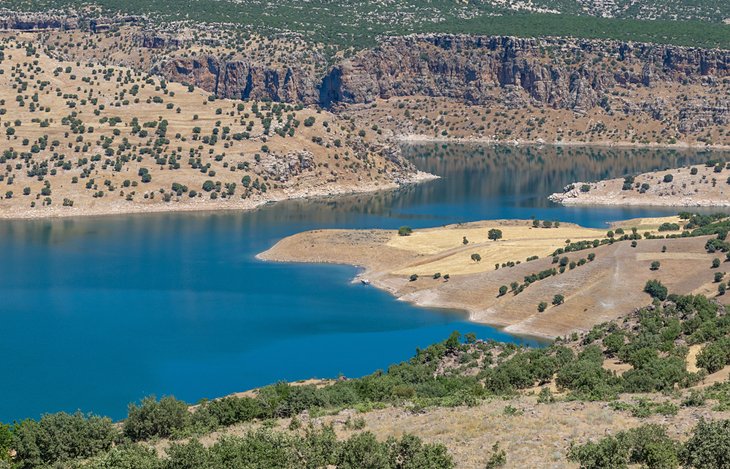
x=553, y=72
x=559, y=73
x=10, y=20
x=241, y=79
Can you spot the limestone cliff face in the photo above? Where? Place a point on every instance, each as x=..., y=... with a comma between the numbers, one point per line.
x=10, y=20
x=37, y=21
x=240, y=79
x=553, y=72
x=559, y=73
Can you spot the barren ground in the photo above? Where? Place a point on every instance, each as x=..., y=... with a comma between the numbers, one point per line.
x=692, y=186
x=594, y=292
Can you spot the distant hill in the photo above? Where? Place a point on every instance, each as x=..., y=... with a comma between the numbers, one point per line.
x=358, y=23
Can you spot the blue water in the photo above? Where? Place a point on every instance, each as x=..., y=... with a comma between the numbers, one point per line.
x=99, y=312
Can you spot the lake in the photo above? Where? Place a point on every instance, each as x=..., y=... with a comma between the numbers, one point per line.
x=99, y=312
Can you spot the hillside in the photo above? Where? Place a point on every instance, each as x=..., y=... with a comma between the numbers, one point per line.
x=488, y=89
x=513, y=281
x=705, y=185
x=83, y=138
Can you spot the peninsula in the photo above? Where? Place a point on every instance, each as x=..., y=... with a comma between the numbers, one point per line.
x=535, y=278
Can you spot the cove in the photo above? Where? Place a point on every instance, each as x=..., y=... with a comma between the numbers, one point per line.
x=99, y=312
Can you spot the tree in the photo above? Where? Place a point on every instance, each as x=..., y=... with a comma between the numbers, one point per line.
x=709, y=446
x=715, y=355
x=154, y=418
x=656, y=289
x=6, y=441
x=668, y=178
x=655, y=265
x=494, y=234
x=405, y=231
x=476, y=257
x=503, y=290
x=558, y=299
x=413, y=278
x=542, y=306
x=61, y=437
x=715, y=263
x=718, y=276
x=464, y=241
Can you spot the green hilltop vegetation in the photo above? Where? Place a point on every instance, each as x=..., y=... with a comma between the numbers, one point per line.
x=357, y=23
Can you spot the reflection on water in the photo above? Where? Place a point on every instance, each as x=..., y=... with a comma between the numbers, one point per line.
x=98, y=312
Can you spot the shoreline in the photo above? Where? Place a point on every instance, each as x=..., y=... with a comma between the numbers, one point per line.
x=694, y=186
x=122, y=208
x=470, y=314
x=410, y=269
x=213, y=206
x=489, y=141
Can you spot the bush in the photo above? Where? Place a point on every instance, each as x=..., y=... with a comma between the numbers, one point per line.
x=6, y=442
x=317, y=448
x=61, y=437
x=709, y=446
x=647, y=445
x=669, y=227
x=131, y=456
x=714, y=356
x=405, y=231
x=154, y=418
x=656, y=289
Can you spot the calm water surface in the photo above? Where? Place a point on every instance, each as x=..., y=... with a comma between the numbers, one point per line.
x=99, y=312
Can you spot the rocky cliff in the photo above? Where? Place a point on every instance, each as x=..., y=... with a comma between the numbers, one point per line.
x=242, y=79
x=10, y=20
x=559, y=73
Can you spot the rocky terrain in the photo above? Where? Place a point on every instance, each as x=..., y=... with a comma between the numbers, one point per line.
x=705, y=185
x=588, y=91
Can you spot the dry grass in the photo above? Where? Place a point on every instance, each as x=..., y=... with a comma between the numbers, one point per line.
x=594, y=292
x=517, y=244
x=52, y=91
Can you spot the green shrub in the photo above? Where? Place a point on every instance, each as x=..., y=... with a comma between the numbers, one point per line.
x=61, y=437
x=656, y=289
x=709, y=446
x=152, y=418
